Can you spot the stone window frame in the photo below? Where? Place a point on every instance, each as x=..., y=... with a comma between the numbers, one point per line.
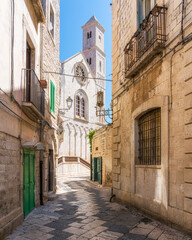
x=51, y=9
x=149, y=128
x=81, y=114
x=161, y=102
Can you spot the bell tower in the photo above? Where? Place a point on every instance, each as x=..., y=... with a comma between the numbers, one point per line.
x=93, y=48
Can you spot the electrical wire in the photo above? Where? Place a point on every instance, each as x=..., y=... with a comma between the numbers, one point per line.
x=69, y=75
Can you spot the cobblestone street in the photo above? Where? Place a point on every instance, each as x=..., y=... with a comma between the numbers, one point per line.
x=83, y=211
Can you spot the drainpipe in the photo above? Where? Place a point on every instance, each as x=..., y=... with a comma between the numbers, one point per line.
x=182, y=17
x=12, y=44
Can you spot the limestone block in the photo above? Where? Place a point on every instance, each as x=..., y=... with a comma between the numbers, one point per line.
x=117, y=123
x=115, y=146
x=188, y=57
x=188, y=190
x=115, y=132
x=188, y=101
x=116, y=154
x=116, y=177
x=188, y=161
x=188, y=131
x=116, y=185
x=188, y=220
x=117, y=139
x=188, y=116
x=188, y=146
x=188, y=85
x=115, y=116
x=188, y=175
x=117, y=169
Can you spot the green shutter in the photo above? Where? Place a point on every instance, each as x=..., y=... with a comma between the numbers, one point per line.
x=52, y=97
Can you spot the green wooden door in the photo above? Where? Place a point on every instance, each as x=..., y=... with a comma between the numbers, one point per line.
x=99, y=169
x=28, y=181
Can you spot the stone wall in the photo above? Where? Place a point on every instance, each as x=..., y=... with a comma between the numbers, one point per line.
x=102, y=147
x=164, y=82
x=50, y=46
x=10, y=179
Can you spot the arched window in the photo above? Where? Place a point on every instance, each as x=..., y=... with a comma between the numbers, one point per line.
x=83, y=108
x=77, y=106
x=87, y=35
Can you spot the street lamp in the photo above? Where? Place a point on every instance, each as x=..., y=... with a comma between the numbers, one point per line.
x=69, y=101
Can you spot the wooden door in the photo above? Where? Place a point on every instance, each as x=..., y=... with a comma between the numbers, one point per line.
x=99, y=170
x=28, y=181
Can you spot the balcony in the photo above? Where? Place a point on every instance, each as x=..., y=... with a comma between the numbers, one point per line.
x=148, y=41
x=33, y=103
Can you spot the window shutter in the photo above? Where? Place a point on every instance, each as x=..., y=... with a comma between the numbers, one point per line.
x=52, y=97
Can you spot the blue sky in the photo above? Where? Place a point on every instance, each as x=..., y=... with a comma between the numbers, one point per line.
x=74, y=14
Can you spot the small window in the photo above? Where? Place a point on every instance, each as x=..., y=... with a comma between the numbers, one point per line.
x=89, y=61
x=52, y=97
x=149, y=135
x=78, y=106
x=90, y=34
x=99, y=38
x=100, y=66
x=82, y=108
x=51, y=23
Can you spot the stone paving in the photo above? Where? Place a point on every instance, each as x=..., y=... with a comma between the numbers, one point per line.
x=83, y=211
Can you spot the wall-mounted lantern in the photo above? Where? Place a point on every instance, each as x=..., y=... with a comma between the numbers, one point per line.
x=100, y=100
x=69, y=101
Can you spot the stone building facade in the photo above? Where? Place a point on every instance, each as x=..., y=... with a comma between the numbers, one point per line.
x=102, y=148
x=25, y=119
x=82, y=77
x=152, y=107
x=50, y=67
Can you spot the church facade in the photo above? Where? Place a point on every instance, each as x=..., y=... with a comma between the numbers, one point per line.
x=82, y=77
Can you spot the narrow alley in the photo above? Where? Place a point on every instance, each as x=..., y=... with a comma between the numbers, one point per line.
x=83, y=211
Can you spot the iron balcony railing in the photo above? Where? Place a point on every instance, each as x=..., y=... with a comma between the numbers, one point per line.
x=33, y=92
x=151, y=31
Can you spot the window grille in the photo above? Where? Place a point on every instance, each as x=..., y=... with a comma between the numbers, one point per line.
x=150, y=138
